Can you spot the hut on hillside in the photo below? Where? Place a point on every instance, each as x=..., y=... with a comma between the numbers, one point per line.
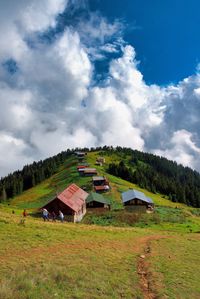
x=82, y=166
x=100, y=183
x=88, y=171
x=95, y=200
x=80, y=155
x=133, y=198
x=72, y=203
x=101, y=160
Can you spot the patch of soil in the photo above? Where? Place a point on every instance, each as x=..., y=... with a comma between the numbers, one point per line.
x=145, y=275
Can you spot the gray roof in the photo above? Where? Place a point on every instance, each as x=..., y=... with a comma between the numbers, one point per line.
x=134, y=194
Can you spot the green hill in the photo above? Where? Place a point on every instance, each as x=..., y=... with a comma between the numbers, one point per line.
x=113, y=254
x=178, y=215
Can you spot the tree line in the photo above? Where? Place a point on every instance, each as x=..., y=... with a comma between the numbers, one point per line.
x=31, y=175
x=158, y=175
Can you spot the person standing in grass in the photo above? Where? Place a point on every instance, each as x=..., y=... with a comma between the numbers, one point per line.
x=45, y=214
x=61, y=216
x=53, y=216
x=25, y=213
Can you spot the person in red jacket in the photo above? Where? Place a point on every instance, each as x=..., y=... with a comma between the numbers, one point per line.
x=25, y=213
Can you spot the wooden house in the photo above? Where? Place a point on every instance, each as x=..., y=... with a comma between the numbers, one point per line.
x=80, y=155
x=88, y=171
x=100, y=183
x=133, y=198
x=95, y=200
x=100, y=160
x=82, y=166
x=71, y=202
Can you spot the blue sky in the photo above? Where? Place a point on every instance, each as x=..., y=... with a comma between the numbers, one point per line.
x=84, y=73
x=165, y=34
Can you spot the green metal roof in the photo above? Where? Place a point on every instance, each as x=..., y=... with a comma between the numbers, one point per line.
x=97, y=197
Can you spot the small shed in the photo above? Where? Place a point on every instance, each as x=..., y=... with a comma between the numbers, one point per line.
x=95, y=200
x=72, y=203
x=82, y=166
x=80, y=155
x=88, y=171
x=101, y=160
x=134, y=197
x=100, y=183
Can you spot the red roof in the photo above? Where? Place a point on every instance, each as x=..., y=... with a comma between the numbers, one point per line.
x=73, y=197
x=100, y=188
x=81, y=166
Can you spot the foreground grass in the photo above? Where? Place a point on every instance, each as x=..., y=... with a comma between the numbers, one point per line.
x=54, y=260
x=175, y=263
x=47, y=260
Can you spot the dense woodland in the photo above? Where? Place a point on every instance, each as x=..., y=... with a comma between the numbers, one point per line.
x=156, y=174
x=30, y=175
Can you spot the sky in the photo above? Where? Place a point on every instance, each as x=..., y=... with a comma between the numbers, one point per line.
x=86, y=73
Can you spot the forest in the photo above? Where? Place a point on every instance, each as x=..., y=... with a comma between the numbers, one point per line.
x=159, y=175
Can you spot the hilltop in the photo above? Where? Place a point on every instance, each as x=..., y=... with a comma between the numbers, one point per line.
x=153, y=173
x=121, y=162
x=114, y=254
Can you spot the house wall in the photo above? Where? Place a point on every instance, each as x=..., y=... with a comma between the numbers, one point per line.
x=79, y=216
x=99, y=183
x=136, y=202
x=56, y=206
x=95, y=204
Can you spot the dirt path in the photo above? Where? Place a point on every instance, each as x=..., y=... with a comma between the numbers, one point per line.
x=145, y=275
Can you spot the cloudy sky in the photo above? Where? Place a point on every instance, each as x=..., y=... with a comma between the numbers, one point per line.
x=90, y=72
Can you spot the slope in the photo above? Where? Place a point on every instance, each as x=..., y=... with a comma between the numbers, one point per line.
x=168, y=215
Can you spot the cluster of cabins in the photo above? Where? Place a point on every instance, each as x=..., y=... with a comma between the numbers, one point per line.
x=100, y=183
x=74, y=201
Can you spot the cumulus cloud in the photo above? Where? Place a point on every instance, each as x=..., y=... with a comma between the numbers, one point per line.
x=50, y=100
x=182, y=149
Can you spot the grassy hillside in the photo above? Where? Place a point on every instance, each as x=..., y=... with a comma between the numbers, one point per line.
x=54, y=260
x=118, y=255
x=168, y=215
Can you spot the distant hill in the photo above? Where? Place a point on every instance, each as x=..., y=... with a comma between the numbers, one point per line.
x=153, y=173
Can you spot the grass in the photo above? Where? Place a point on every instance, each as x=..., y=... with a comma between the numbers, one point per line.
x=169, y=215
x=51, y=260
x=98, y=258
x=175, y=262
x=39, y=195
x=45, y=260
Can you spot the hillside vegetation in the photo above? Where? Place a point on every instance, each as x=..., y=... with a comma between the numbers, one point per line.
x=178, y=215
x=112, y=254
x=150, y=172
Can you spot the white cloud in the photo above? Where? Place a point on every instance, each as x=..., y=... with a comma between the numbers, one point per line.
x=38, y=15
x=182, y=149
x=12, y=155
x=52, y=102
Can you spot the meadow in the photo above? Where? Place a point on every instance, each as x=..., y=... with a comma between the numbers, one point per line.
x=115, y=254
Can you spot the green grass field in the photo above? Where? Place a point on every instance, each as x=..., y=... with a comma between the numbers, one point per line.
x=115, y=254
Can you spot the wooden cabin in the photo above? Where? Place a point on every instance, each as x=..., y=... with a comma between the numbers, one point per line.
x=133, y=198
x=88, y=171
x=80, y=155
x=101, y=160
x=100, y=183
x=82, y=166
x=95, y=200
x=71, y=202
